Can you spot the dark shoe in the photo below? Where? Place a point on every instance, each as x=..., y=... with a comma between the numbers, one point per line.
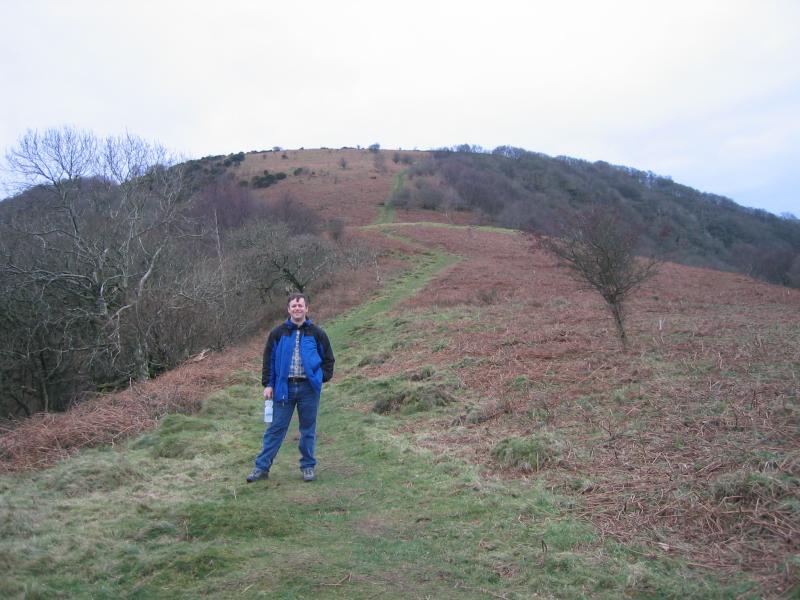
x=308, y=474
x=257, y=474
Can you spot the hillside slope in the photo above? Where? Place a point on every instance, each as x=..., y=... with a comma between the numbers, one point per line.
x=484, y=436
x=515, y=188
x=687, y=441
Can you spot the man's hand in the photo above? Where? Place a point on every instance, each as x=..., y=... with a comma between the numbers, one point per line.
x=267, y=393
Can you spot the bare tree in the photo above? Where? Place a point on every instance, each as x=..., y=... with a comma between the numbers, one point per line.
x=83, y=242
x=598, y=248
x=280, y=262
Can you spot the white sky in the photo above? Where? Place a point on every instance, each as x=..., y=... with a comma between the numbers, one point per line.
x=705, y=91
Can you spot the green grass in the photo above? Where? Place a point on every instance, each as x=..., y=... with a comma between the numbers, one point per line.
x=425, y=266
x=389, y=226
x=168, y=514
x=531, y=453
x=387, y=213
x=382, y=520
x=404, y=394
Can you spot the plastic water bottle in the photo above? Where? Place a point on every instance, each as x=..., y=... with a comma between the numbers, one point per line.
x=267, y=411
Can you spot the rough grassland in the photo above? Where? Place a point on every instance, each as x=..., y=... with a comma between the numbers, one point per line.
x=412, y=502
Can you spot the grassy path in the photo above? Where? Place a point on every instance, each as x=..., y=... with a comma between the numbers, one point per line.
x=387, y=212
x=168, y=515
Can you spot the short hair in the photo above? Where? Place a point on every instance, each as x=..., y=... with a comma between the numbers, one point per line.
x=302, y=297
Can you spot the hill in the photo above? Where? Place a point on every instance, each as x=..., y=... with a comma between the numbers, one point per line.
x=525, y=190
x=515, y=188
x=484, y=436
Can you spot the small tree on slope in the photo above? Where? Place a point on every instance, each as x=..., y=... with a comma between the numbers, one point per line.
x=598, y=248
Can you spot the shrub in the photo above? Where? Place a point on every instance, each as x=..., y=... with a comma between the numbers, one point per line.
x=267, y=179
x=425, y=372
x=234, y=159
x=427, y=196
x=298, y=217
x=425, y=167
x=225, y=205
x=400, y=198
x=335, y=228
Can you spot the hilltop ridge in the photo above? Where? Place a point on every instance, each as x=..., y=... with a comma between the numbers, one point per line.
x=531, y=191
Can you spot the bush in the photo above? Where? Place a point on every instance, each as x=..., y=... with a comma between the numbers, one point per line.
x=234, y=160
x=267, y=179
x=298, y=217
x=335, y=228
x=425, y=372
x=225, y=205
x=400, y=198
x=425, y=167
x=531, y=453
x=427, y=196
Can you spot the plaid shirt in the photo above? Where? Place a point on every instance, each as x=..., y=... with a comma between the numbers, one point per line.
x=297, y=370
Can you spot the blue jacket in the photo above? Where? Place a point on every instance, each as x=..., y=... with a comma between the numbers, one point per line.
x=315, y=352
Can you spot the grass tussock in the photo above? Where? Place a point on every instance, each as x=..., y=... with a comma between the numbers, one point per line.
x=530, y=453
x=102, y=471
x=413, y=398
x=180, y=436
x=418, y=391
x=748, y=487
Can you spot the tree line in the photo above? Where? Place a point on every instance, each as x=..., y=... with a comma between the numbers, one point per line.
x=513, y=187
x=117, y=262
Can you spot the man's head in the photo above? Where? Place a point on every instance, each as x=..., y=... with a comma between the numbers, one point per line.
x=297, y=305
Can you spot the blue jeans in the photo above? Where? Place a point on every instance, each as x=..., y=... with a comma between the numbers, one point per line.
x=306, y=399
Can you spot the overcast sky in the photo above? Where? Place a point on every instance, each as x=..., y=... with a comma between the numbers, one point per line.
x=707, y=92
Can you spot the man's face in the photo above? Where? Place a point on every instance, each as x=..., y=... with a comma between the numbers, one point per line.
x=298, y=310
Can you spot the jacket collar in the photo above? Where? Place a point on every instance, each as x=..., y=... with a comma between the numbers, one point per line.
x=290, y=324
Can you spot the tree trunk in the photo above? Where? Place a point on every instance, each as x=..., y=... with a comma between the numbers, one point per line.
x=141, y=370
x=44, y=397
x=619, y=321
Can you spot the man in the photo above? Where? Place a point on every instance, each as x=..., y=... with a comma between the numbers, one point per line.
x=298, y=359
